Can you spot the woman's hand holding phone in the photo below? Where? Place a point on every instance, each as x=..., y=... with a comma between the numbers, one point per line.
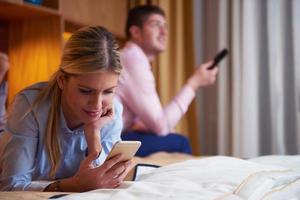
x=109, y=175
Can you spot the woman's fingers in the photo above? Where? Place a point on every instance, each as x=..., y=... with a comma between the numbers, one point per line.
x=107, y=165
x=118, y=173
x=87, y=163
x=119, y=170
x=109, y=175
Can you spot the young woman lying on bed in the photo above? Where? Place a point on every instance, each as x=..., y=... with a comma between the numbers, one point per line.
x=59, y=132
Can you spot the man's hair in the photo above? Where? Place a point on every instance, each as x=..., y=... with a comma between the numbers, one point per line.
x=138, y=15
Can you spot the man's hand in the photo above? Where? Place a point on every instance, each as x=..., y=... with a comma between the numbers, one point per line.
x=138, y=125
x=203, y=76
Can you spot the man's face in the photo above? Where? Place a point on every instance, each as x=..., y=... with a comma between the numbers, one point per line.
x=153, y=35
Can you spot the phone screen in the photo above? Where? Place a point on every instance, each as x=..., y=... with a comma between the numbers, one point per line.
x=127, y=148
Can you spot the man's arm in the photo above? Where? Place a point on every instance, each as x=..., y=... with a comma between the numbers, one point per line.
x=139, y=95
x=203, y=76
x=138, y=92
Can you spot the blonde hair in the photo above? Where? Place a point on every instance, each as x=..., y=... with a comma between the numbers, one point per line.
x=89, y=50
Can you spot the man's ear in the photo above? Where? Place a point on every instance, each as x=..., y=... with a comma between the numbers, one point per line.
x=135, y=32
x=61, y=81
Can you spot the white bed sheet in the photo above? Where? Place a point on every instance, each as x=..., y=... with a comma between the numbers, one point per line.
x=208, y=178
x=287, y=161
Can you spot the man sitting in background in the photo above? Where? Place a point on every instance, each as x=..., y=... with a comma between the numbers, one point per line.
x=144, y=117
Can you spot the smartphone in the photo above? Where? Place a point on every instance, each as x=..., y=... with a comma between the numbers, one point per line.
x=221, y=55
x=127, y=148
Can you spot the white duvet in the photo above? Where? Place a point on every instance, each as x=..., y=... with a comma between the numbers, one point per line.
x=222, y=178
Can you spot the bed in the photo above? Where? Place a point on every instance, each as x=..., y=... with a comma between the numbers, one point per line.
x=217, y=177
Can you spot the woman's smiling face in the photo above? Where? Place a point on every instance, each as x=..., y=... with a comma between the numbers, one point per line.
x=86, y=97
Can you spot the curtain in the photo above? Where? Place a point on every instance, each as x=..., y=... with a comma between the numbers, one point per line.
x=176, y=64
x=258, y=90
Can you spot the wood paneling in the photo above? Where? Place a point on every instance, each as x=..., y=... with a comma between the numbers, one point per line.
x=34, y=52
x=21, y=11
x=32, y=34
x=110, y=14
x=3, y=36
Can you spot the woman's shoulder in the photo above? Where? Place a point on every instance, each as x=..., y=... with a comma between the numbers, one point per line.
x=113, y=129
x=118, y=107
x=23, y=119
x=32, y=91
x=34, y=88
